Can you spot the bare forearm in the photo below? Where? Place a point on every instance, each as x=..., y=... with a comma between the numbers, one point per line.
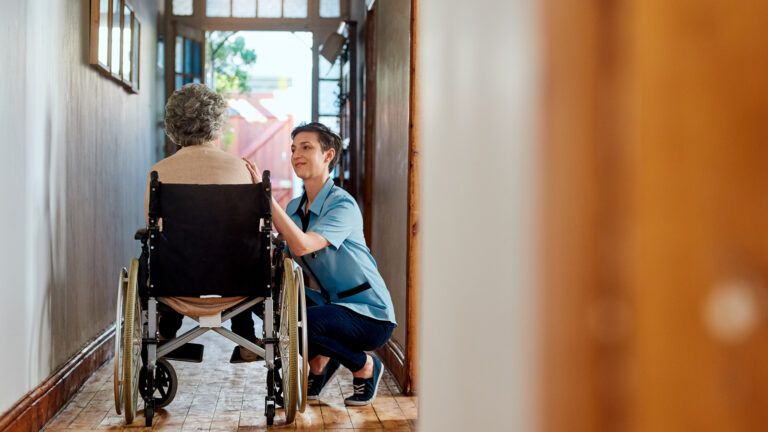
x=299, y=242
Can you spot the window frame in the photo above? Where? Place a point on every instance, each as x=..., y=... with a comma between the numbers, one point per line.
x=313, y=19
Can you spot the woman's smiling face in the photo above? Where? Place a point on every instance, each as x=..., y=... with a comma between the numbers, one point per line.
x=307, y=156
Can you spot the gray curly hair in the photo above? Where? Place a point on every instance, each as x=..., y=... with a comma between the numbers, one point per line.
x=194, y=114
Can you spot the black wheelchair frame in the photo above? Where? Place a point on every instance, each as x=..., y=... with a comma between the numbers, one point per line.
x=141, y=368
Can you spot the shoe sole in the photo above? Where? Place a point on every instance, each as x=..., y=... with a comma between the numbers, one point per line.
x=238, y=357
x=317, y=396
x=375, y=392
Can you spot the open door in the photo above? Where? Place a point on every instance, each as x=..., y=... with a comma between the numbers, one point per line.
x=184, y=62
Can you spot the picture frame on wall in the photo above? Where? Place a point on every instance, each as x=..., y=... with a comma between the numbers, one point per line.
x=135, y=50
x=114, y=43
x=99, y=41
x=116, y=23
x=126, y=43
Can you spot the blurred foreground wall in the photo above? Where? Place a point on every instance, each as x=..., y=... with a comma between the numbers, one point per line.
x=656, y=214
x=595, y=215
x=479, y=95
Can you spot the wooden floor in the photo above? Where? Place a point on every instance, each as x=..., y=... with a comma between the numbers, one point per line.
x=218, y=396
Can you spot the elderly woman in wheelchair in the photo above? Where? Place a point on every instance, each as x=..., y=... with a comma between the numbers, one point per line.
x=207, y=253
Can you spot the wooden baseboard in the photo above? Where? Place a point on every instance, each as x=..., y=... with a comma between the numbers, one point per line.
x=38, y=406
x=393, y=356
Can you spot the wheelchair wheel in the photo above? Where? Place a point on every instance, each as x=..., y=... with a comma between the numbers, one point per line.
x=165, y=382
x=288, y=345
x=131, y=355
x=122, y=285
x=303, y=341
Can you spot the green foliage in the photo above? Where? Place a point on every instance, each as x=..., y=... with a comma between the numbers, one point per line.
x=230, y=60
x=227, y=138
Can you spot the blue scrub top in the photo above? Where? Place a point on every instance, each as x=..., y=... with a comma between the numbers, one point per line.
x=345, y=270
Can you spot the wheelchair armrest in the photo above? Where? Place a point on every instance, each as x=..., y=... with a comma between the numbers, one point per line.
x=141, y=234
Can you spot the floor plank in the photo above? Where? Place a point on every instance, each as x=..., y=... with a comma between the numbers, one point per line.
x=218, y=396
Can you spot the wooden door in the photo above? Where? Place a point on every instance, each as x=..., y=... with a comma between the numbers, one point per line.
x=184, y=61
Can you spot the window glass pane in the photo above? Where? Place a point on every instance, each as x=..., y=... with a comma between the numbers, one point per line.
x=244, y=8
x=328, y=70
x=160, y=52
x=179, y=82
x=328, y=95
x=270, y=8
x=187, y=56
x=196, y=51
x=331, y=122
x=114, y=65
x=182, y=7
x=104, y=32
x=127, y=43
x=217, y=8
x=179, y=53
x=295, y=8
x=330, y=8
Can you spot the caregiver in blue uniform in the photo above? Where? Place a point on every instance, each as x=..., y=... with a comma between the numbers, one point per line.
x=350, y=310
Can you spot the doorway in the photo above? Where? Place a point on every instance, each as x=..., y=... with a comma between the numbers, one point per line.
x=266, y=79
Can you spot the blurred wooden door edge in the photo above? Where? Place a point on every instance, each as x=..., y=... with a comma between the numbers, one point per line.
x=656, y=216
x=414, y=210
x=401, y=361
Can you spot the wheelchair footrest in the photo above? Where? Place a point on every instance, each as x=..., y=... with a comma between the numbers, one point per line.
x=189, y=352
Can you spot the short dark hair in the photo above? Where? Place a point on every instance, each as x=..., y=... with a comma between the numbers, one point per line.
x=328, y=139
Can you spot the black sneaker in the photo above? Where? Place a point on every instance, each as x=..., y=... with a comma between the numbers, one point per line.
x=315, y=383
x=366, y=388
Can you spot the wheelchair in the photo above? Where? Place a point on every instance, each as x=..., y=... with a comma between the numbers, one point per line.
x=216, y=242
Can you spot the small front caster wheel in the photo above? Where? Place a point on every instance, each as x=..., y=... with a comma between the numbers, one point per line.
x=165, y=383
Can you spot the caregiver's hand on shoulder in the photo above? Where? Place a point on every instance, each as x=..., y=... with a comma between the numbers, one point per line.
x=254, y=170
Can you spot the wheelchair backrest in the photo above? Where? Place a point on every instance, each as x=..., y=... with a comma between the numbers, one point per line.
x=209, y=239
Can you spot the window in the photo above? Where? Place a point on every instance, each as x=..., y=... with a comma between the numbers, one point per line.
x=188, y=62
x=270, y=9
x=183, y=7
x=114, y=41
x=330, y=8
x=244, y=8
x=292, y=9
x=217, y=8
x=295, y=8
x=329, y=89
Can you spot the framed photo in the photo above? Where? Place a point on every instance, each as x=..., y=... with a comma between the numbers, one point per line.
x=115, y=19
x=126, y=46
x=115, y=41
x=135, y=50
x=99, y=44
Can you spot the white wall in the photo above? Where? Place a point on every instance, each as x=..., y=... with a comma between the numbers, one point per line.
x=13, y=227
x=75, y=150
x=479, y=75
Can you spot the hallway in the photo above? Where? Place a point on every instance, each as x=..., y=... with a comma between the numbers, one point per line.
x=218, y=396
x=567, y=202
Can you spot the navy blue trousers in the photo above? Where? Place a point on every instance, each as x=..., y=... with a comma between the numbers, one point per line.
x=344, y=335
